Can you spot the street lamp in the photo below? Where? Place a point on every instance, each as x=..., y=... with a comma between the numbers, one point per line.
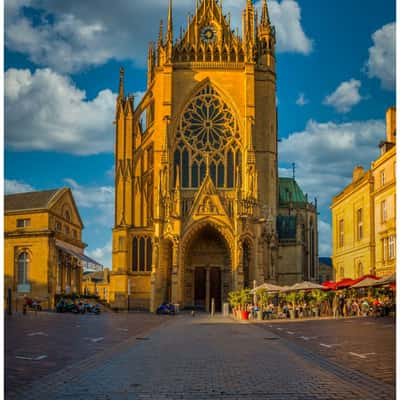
x=129, y=293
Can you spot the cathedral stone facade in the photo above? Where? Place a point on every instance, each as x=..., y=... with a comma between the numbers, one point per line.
x=198, y=208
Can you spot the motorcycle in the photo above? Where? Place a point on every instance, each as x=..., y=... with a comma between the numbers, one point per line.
x=95, y=309
x=166, y=309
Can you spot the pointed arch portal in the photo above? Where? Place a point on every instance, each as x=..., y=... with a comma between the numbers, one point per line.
x=207, y=266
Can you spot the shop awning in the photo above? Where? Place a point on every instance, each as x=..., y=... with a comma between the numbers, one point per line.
x=83, y=257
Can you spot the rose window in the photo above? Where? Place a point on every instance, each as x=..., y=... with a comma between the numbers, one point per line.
x=208, y=135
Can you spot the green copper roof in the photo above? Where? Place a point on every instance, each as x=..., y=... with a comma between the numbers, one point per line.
x=289, y=191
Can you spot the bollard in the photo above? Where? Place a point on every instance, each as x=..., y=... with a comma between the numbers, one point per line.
x=212, y=307
x=9, y=302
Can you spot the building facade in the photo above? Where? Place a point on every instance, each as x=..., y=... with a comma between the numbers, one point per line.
x=326, y=272
x=364, y=215
x=43, y=246
x=196, y=184
x=97, y=283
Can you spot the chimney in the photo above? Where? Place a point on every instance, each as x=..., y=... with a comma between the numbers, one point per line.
x=358, y=173
x=391, y=125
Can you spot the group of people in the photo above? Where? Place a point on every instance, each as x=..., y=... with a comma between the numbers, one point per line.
x=366, y=306
x=339, y=306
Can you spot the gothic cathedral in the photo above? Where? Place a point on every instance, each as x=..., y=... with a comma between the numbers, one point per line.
x=199, y=208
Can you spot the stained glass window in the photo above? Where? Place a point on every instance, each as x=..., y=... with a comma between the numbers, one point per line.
x=208, y=134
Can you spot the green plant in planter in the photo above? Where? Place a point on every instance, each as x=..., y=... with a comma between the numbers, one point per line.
x=264, y=298
x=292, y=297
x=318, y=297
x=244, y=298
x=234, y=299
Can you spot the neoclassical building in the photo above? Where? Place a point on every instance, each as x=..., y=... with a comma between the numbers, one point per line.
x=198, y=208
x=364, y=215
x=43, y=247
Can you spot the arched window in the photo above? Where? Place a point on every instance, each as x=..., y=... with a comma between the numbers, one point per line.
x=195, y=175
x=23, y=264
x=141, y=254
x=185, y=169
x=208, y=54
x=149, y=254
x=207, y=134
x=67, y=215
x=221, y=175
x=230, y=169
x=135, y=254
x=360, y=270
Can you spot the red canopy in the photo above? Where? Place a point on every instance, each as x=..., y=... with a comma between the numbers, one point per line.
x=345, y=283
x=329, y=285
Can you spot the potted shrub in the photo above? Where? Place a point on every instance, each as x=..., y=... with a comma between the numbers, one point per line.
x=263, y=299
x=318, y=296
x=291, y=298
x=244, y=299
x=234, y=301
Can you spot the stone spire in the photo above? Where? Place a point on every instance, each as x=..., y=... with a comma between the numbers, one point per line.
x=150, y=64
x=265, y=15
x=121, y=83
x=170, y=25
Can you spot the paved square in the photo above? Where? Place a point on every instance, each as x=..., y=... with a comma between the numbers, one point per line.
x=207, y=358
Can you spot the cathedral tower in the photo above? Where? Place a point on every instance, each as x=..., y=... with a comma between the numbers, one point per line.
x=196, y=186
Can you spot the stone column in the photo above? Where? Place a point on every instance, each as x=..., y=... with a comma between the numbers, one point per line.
x=175, y=274
x=153, y=277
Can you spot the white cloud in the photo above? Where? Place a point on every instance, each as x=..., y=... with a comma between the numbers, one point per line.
x=345, y=97
x=325, y=155
x=302, y=100
x=286, y=17
x=13, y=186
x=73, y=35
x=46, y=111
x=103, y=254
x=381, y=63
x=100, y=198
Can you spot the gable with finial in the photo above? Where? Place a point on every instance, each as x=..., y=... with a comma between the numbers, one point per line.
x=207, y=201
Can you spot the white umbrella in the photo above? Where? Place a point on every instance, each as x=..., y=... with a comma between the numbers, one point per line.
x=306, y=286
x=367, y=282
x=386, y=280
x=268, y=287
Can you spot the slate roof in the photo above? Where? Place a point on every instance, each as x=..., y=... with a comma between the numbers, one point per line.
x=29, y=201
x=289, y=191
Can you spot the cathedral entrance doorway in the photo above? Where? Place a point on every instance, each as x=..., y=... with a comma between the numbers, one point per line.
x=207, y=270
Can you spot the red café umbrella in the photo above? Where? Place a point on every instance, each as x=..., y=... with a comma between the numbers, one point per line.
x=329, y=285
x=345, y=283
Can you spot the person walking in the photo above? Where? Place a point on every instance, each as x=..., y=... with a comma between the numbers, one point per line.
x=335, y=306
x=341, y=305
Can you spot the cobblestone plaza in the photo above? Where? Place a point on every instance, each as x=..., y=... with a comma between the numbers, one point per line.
x=140, y=356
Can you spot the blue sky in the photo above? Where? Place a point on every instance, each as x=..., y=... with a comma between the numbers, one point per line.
x=336, y=78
